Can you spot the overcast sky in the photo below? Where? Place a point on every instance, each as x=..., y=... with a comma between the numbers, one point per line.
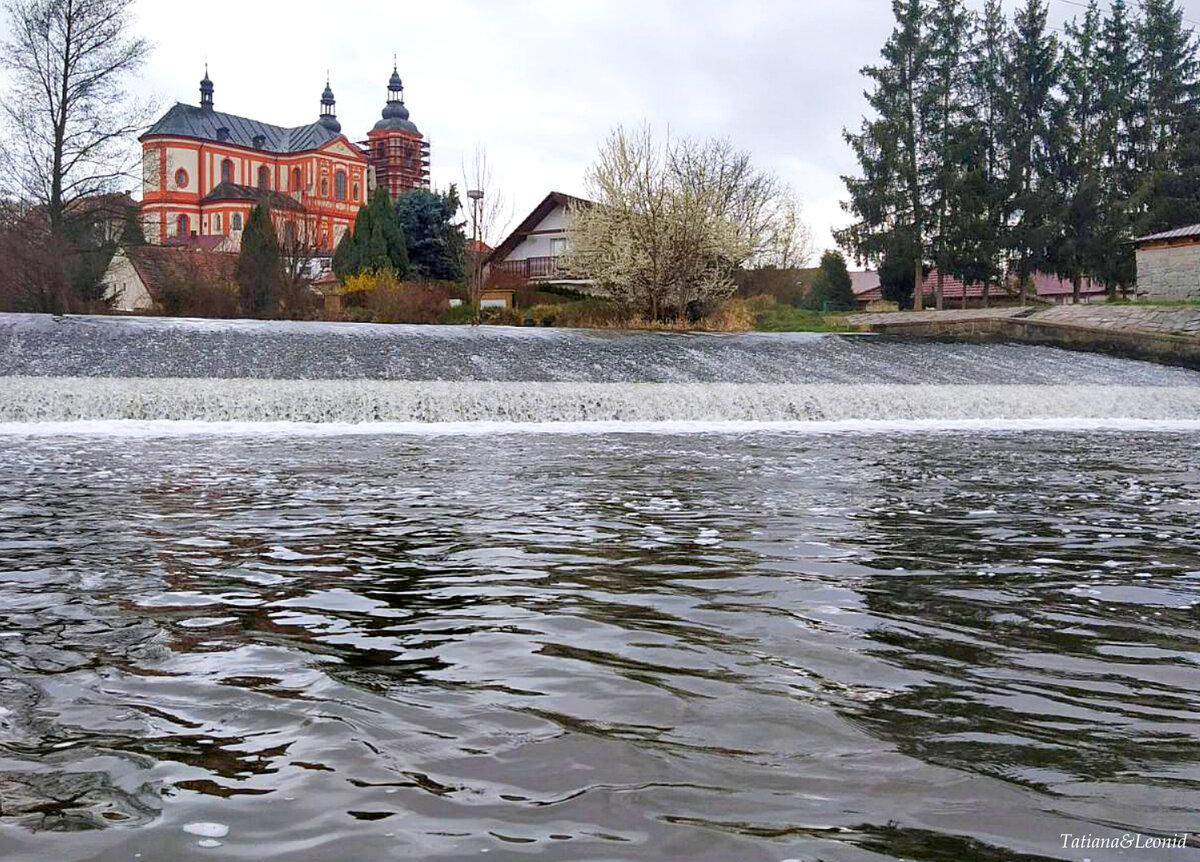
x=540, y=83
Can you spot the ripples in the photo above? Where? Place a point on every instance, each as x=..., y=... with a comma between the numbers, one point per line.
x=753, y=647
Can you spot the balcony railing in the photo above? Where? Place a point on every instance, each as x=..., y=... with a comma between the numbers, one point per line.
x=531, y=268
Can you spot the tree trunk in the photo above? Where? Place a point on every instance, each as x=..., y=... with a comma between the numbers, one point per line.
x=918, y=288
x=1076, y=284
x=986, y=285
x=940, y=294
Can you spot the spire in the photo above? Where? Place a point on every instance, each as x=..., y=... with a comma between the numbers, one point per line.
x=329, y=109
x=395, y=109
x=206, y=91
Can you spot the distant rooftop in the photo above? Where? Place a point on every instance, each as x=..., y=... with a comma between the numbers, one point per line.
x=1178, y=233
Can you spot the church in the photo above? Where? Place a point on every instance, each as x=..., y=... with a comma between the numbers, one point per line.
x=204, y=170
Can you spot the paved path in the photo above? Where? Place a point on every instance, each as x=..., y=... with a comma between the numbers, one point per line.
x=1173, y=319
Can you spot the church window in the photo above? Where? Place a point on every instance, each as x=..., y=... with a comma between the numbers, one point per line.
x=339, y=185
x=235, y=221
x=227, y=171
x=181, y=179
x=217, y=223
x=264, y=177
x=182, y=226
x=324, y=187
x=297, y=182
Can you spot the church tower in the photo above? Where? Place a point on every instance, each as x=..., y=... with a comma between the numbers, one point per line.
x=396, y=149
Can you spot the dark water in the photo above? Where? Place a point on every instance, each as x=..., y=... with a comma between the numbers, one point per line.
x=759, y=647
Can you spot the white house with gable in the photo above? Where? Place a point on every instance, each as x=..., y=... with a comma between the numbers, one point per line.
x=531, y=252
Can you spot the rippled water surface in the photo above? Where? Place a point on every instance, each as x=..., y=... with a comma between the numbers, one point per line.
x=756, y=647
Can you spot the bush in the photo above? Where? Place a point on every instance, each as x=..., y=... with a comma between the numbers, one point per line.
x=396, y=302
x=733, y=315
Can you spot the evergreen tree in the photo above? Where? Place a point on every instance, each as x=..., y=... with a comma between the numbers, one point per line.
x=1119, y=75
x=258, y=265
x=376, y=243
x=832, y=289
x=434, y=241
x=1033, y=124
x=1165, y=107
x=1077, y=157
x=946, y=120
x=889, y=201
x=132, y=234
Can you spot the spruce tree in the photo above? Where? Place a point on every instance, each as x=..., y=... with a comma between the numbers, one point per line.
x=1077, y=157
x=1165, y=108
x=434, y=241
x=889, y=201
x=946, y=119
x=259, y=265
x=832, y=288
x=982, y=204
x=1032, y=127
x=1119, y=76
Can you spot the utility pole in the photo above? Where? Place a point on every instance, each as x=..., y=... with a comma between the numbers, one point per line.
x=475, y=196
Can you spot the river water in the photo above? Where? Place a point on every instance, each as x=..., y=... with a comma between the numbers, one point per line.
x=890, y=629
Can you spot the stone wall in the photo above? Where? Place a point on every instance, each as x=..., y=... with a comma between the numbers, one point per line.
x=1169, y=273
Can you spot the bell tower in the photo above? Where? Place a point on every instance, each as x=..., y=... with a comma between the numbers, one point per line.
x=396, y=148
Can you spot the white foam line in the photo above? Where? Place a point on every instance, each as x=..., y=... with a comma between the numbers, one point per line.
x=189, y=428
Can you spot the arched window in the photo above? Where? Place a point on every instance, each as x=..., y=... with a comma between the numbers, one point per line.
x=235, y=221
x=297, y=181
x=227, y=171
x=181, y=179
x=182, y=226
x=217, y=223
x=264, y=177
x=357, y=192
x=382, y=149
x=339, y=185
x=324, y=187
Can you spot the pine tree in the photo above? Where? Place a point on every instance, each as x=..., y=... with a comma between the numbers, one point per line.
x=434, y=241
x=1032, y=124
x=132, y=234
x=889, y=201
x=258, y=266
x=376, y=243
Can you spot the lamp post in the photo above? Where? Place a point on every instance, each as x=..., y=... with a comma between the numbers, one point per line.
x=475, y=196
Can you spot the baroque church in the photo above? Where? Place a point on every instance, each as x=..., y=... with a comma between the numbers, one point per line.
x=204, y=170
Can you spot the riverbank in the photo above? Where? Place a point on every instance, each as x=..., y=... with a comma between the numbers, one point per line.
x=1168, y=334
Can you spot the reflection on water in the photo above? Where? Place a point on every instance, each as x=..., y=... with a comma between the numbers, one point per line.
x=756, y=647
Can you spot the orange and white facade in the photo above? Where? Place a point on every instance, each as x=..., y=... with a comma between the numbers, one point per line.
x=204, y=171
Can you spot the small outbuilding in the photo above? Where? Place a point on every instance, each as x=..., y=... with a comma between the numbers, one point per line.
x=1168, y=264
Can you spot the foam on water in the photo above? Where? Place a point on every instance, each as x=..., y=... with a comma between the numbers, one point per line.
x=402, y=403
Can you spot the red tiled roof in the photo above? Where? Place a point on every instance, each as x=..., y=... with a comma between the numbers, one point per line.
x=953, y=289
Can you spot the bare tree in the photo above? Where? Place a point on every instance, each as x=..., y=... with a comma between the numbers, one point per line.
x=674, y=221
x=299, y=248
x=489, y=215
x=70, y=118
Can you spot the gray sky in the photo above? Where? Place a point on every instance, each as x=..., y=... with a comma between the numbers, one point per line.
x=541, y=82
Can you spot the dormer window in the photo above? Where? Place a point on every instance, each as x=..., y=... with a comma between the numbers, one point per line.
x=259, y=142
x=223, y=134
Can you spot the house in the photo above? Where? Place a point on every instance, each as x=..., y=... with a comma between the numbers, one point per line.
x=139, y=278
x=531, y=253
x=1048, y=287
x=1168, y=264
x=204, y=170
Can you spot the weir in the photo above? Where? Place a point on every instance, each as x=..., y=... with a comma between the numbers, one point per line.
x=98, y=369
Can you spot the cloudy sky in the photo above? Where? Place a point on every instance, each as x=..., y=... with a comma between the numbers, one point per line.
x=540, y=83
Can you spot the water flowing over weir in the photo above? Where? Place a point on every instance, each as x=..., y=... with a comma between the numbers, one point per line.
x=148, y=369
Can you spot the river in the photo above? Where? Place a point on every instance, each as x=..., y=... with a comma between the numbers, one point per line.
x=800, y=598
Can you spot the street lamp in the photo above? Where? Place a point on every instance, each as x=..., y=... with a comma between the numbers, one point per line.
x=475, y=196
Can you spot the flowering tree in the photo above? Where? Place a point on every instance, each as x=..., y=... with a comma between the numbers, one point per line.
x=673, y=222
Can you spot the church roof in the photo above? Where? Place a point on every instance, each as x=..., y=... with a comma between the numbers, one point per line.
x=188, y=121
x=235, y=192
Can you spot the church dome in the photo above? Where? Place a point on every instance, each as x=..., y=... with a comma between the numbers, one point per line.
x=395, y=114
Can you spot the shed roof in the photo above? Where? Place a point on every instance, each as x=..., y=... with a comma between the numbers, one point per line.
x=1178, y=233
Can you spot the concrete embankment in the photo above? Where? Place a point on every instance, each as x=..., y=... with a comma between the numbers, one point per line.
x=1168, y=334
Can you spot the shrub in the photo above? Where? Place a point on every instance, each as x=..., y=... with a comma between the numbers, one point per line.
x=733, y=315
